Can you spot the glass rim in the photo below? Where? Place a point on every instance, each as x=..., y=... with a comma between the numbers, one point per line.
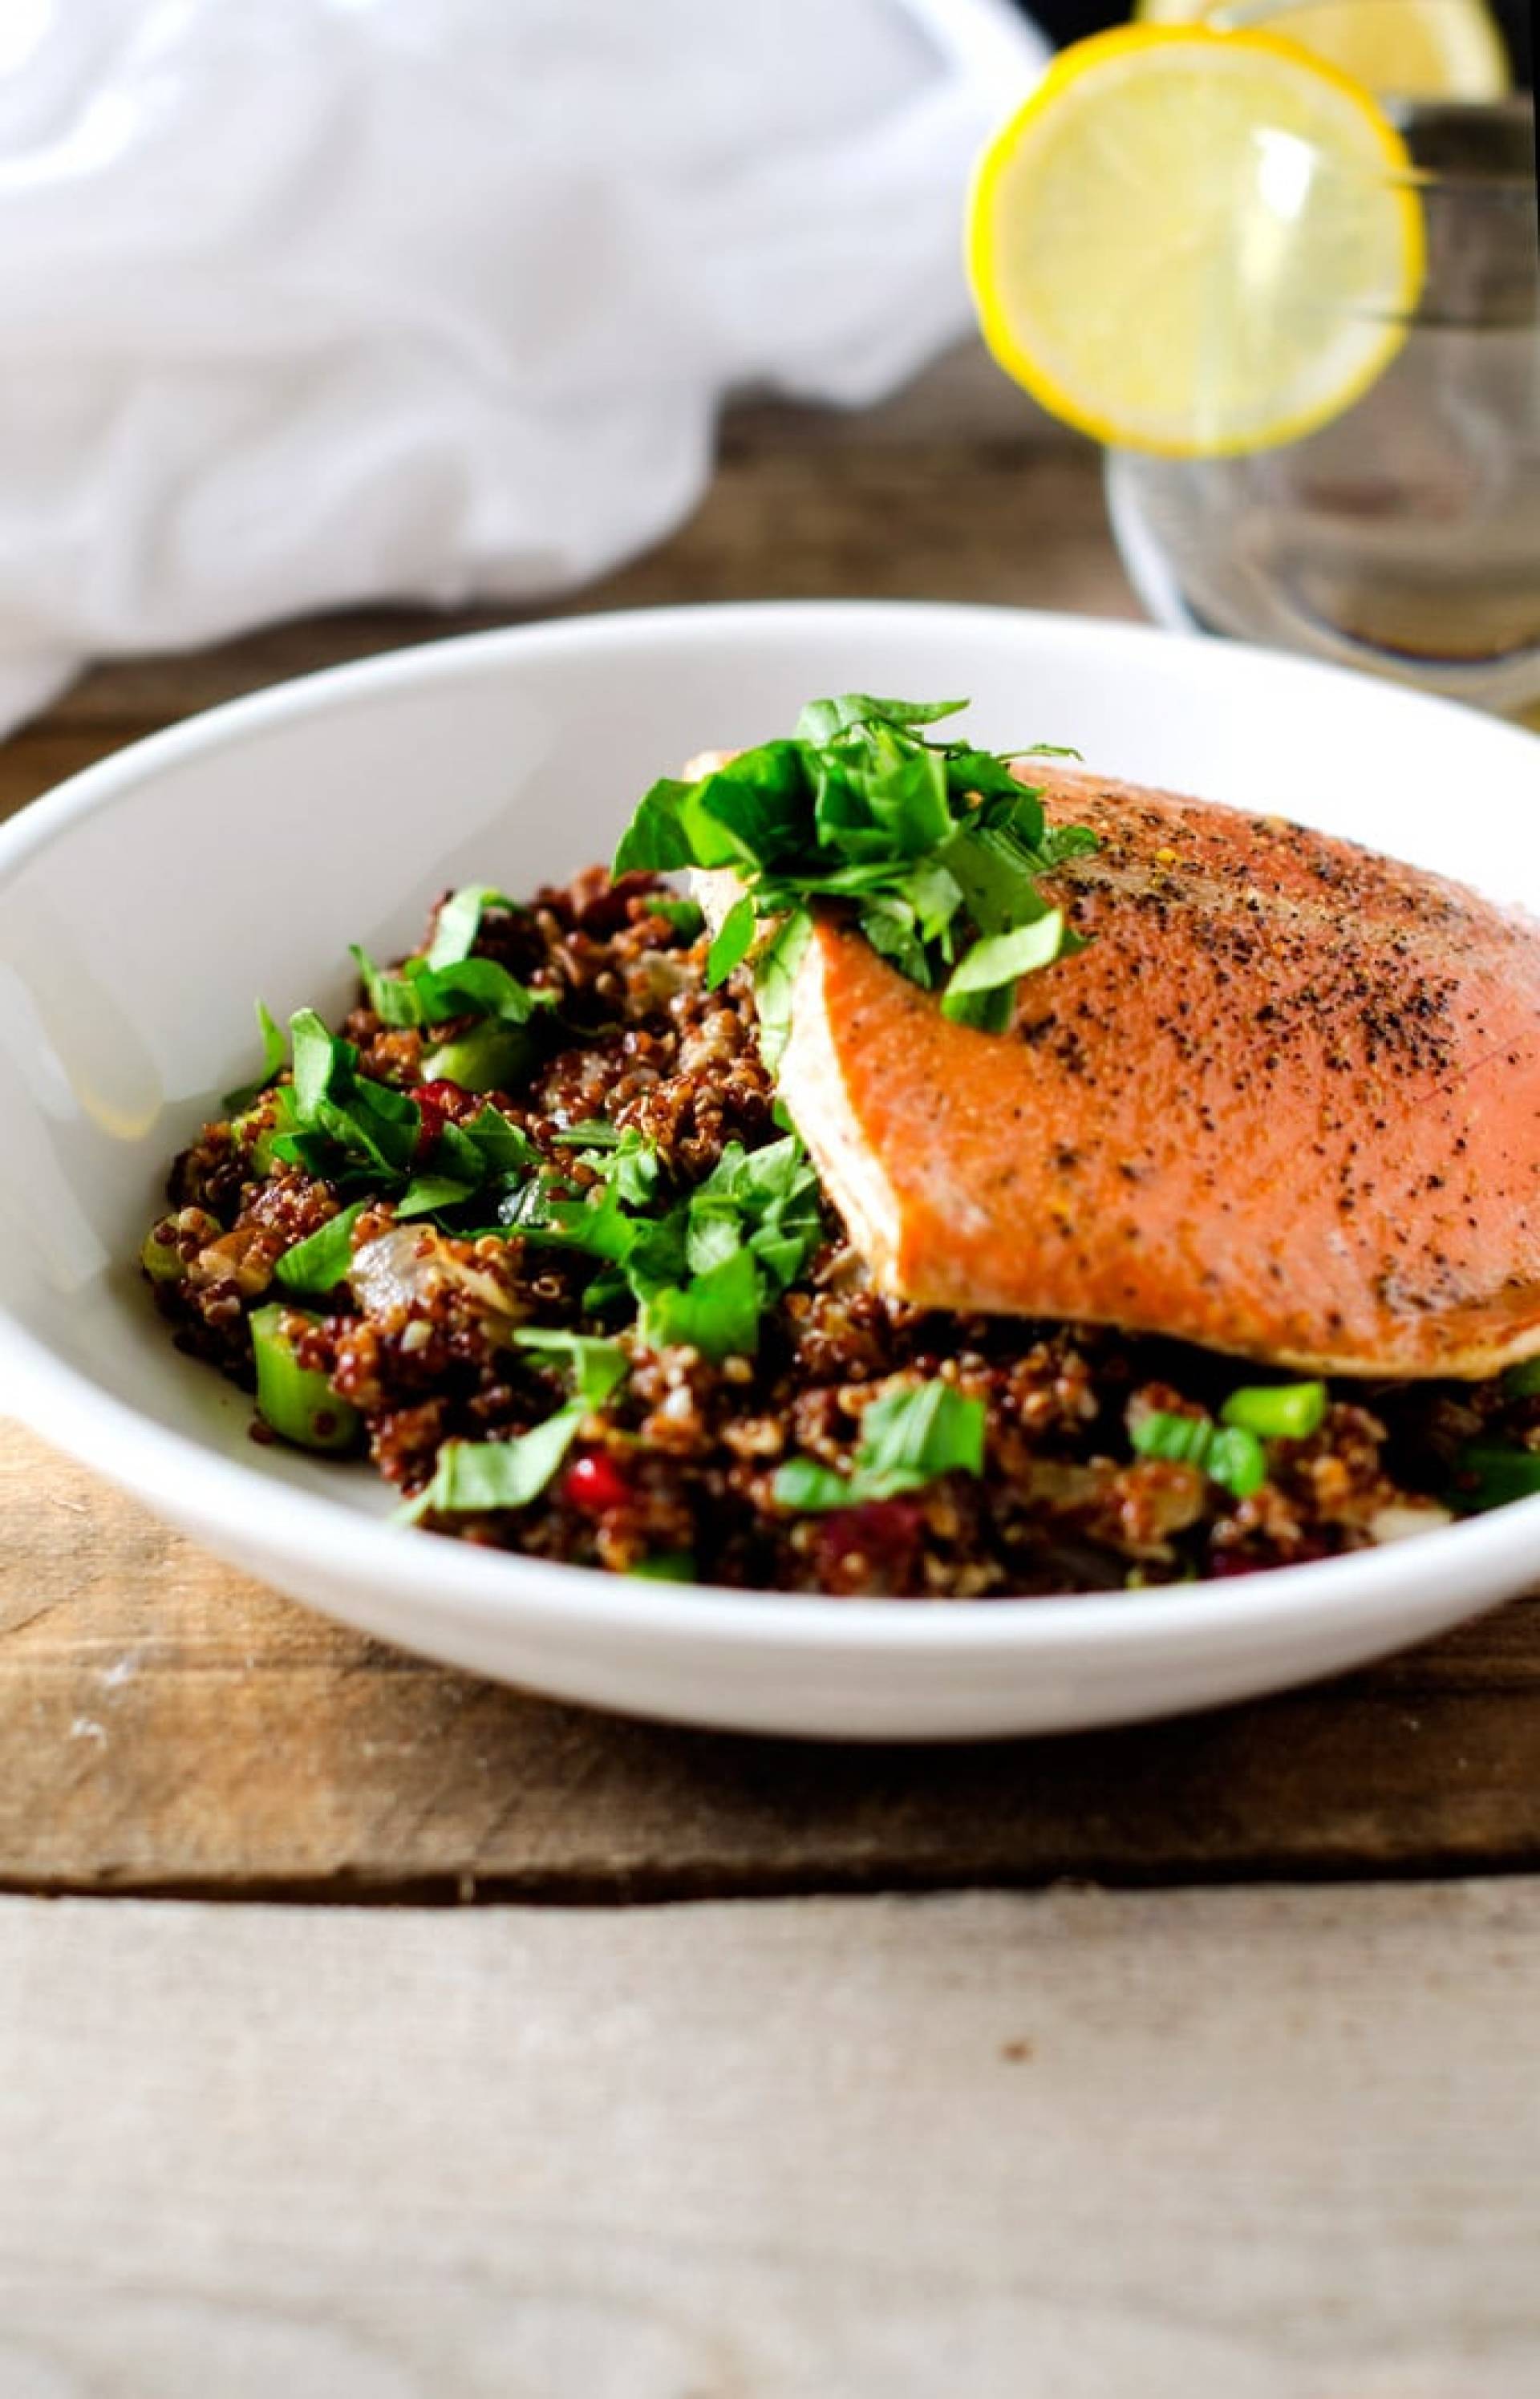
x=1511, y=117
x=1499, y=182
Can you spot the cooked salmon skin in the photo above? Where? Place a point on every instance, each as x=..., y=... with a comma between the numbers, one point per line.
x=1285, y=1105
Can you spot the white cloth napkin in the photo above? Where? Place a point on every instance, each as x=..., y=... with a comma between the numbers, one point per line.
x=314, y=302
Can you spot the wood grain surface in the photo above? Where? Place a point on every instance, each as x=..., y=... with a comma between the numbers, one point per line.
x=1241, y=2145
x=167, y=1727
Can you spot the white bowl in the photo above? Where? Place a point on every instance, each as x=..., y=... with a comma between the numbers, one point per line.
x=146, y=903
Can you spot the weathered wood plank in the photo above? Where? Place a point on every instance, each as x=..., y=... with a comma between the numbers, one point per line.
x=168, y=1725
x=1077, y=2145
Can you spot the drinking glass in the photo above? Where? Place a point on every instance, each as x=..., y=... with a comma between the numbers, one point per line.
x=1404, y=535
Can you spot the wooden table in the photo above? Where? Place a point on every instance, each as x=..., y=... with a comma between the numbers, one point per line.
x=172, y=1729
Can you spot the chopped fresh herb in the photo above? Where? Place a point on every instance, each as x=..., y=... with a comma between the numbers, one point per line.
x=765, y=1200
x=1234, y=1458
x=824, y=720
x=273, y=1050
x=1491, y=1474
x=625, y=1160
x=686, y=916
x=429, y=1195
x=717, y=1312
x=590, y=1133
x=665, y=1566
x=811, y=1489
x=597, y=1367
x=907, y=1439
x=937, y=844
x=500, y=1146
x=1522, y=1382
x=773, y=980
x=1277, y=1410
x=419, y=993
x=598, y=1225
x=320, y=1263
x=998, y=963
x=702, y=1266
x=732, y=943
x=338, y=1113
x=459, y=921
x=491, y=1057
x=472, y=1475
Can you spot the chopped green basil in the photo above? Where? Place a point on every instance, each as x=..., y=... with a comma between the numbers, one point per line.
x=428, y=1195
x=597, y=1367
x=473, y=1475
x=732, y=943
x=273, y=1050
x=907, y=1439
x=939, y=844
x=717, y=1312
x=459, y=921
x=824, y=720
x=590, y=1133
x=320, y=1262
x=420, y=995
x=686, y=916
x=774, y=977
x=998, y=962
x=338, y=1110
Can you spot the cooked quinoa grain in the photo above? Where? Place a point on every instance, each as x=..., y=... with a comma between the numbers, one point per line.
x=675, y=1468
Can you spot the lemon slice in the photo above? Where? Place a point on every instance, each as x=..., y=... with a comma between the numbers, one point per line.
x=1417, y=49
x=1195, y=243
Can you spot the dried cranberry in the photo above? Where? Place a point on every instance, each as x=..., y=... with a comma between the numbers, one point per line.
x=883, y=1535
x=596, y=1484
x=438, y=1103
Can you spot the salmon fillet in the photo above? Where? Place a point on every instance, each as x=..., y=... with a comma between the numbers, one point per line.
x=1286, y=1104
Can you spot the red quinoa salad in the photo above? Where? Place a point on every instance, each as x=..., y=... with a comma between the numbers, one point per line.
x=532, y=1231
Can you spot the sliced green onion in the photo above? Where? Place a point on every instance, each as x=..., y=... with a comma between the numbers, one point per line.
x=1522, y=1382
x=296, y=1402
x=1235, y=1458
x=1277, y=1410
x=1185, y=1441
x=161, y=1260
x=1491, y=1473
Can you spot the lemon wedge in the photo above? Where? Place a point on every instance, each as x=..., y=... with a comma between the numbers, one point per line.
x=1414, y=49
x=1195, y=243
